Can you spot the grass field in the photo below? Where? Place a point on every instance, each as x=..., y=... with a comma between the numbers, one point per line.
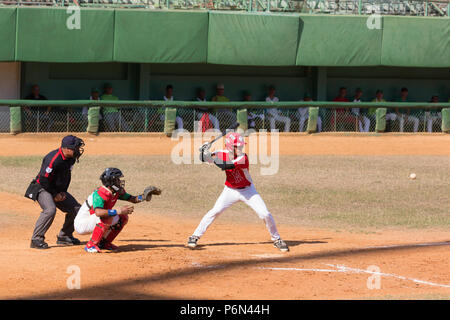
x=350, y=192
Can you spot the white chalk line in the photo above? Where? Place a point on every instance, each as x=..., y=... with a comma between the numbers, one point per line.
x=199, y=265
x=344, y=269
x=268, y=255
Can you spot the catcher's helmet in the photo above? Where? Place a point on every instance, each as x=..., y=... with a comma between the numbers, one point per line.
x=234, y=139
x=111, y=178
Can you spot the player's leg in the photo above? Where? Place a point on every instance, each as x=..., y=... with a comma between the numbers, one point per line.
x=415, y=122
x=319, y=124
x=226, y=199
x=252, y=198
x=100, y=231
x=429, y=124
x=113, y=232
x=360, y=125
x=366, y=121
x=301, y=123
x=179, y=122
x=109, y=121
x=215, y=121
x=402, y=123
x=286, y=121
x=44, y=221
x=85, y=222
x=272, y=123
x=70, y=207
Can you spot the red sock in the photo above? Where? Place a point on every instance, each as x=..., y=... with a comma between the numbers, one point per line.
x=115, y=229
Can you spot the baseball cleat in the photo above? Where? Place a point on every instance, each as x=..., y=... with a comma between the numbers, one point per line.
x=107, y=246
x=91, y=248
x=38, y=244
x=280, y=244
x=67, y=241
x=192, y=242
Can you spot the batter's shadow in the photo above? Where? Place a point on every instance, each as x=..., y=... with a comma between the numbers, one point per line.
x=143, y=247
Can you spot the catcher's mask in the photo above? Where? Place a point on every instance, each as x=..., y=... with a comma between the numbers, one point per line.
x=111, y=179
x=73, y=143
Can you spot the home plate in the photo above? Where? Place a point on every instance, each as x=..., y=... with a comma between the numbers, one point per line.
x=267, y=255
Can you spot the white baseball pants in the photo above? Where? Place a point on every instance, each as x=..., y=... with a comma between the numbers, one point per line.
x=280, y=118
x=432, y=118
x=251, y=197
x=85, y=222
x=364, y=124
x=409, y=119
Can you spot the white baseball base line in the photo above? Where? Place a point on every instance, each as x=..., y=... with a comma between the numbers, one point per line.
x=344, y=269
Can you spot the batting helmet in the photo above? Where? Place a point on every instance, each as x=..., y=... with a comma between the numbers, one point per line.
x=234, y=139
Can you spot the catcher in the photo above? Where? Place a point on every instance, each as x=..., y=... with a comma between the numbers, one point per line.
x=97, y=215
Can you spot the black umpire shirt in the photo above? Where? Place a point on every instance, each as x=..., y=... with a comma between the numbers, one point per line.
x=55, y=173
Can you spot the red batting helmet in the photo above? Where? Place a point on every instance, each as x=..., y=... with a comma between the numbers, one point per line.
x=233, y=139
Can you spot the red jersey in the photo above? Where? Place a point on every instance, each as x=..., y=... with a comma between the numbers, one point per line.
x=239, y=177
x=340, y=99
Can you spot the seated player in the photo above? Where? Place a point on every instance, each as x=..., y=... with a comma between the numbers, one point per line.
x=238, y=187
x=97, y=215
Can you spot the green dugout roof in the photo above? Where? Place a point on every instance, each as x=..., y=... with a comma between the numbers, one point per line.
x=253, y=39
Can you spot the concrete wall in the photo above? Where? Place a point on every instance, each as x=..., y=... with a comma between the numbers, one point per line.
x=59, y=81
x=9, y=89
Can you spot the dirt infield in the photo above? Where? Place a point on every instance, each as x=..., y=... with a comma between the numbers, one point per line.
x=236, y=259
x=290, y=144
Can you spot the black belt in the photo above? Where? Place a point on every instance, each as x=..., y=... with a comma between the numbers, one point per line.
x=87, y=203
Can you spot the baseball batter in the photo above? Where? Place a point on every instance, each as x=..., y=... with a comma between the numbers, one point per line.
x=238, y=187
x=97, y=215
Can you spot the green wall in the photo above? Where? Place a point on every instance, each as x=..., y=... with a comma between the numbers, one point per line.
x=39, y=34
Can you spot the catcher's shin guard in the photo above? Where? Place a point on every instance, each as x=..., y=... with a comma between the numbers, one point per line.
x=115, y=229
x=98, y=233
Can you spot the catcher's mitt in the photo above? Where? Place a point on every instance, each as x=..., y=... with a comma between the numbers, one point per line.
x=149, y=191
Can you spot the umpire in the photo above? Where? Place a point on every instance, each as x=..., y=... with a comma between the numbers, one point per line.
x=50, y=190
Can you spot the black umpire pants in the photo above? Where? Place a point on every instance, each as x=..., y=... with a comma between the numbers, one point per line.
x=70, y=206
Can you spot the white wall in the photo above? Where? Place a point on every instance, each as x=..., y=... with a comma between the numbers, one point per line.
x=9, y=89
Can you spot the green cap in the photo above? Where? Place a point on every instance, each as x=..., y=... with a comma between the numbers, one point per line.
x=95, y=90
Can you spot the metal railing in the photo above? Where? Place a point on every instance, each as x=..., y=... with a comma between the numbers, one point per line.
x=150, y=116
x=385, y=7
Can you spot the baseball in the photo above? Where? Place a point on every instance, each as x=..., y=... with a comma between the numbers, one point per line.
x=412, y=176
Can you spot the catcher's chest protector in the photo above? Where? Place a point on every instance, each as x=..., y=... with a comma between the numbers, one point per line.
x=109, y=199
